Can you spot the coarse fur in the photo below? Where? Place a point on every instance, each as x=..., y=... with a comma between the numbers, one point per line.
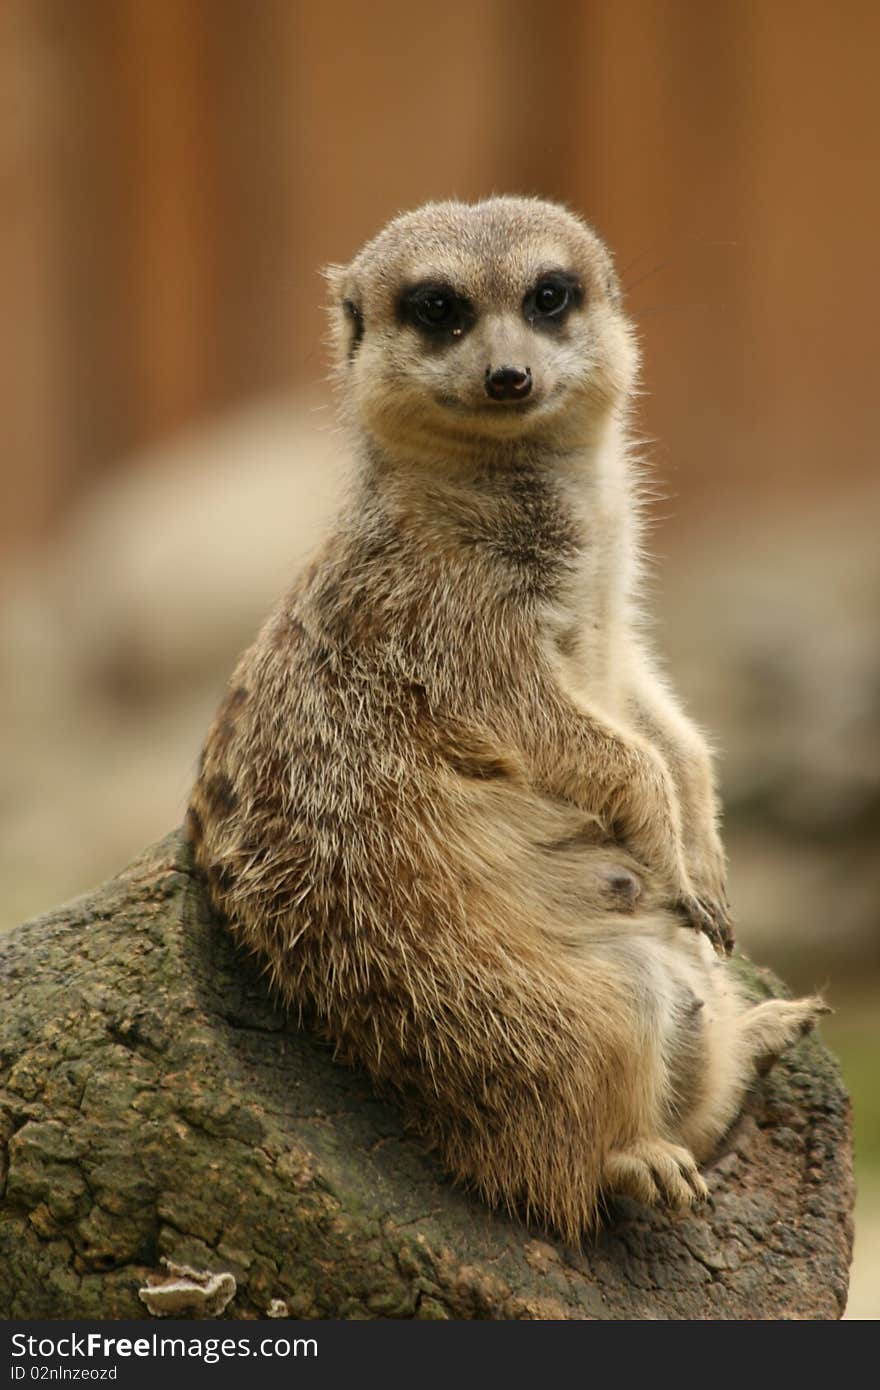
x=448, y=798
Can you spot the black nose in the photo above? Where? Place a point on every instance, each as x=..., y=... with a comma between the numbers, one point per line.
x=508, y=383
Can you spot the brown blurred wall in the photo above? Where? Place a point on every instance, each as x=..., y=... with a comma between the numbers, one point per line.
x=173, y=175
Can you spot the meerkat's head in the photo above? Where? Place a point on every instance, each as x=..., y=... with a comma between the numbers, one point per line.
x=461, y=323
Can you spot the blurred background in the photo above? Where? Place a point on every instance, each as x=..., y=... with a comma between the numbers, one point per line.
x=173, y=177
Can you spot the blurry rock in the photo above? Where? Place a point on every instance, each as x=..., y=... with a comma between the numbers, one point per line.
x=116, y=640
x=771, y=631
x=168, y=570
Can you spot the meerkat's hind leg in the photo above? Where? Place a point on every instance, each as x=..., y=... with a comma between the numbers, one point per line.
x=768, y=1029
x=655, y=1172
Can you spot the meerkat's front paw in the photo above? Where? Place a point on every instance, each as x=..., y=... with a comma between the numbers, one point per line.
x=655, y=1172
x=711, y=916
x=707, y=873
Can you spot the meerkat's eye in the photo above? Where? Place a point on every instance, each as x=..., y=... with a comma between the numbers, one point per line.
x=551, y=298
x=436, y=309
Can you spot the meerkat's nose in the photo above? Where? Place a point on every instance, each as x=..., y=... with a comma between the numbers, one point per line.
x=508, y=383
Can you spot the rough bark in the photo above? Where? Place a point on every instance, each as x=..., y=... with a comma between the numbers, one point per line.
x=155, y=1103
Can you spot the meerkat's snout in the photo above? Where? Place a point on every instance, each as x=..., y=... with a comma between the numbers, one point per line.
x=508, y=383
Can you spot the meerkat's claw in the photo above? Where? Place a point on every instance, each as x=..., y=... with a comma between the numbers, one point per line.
x=657, y=1173
x=724, y=924
x=711, y=920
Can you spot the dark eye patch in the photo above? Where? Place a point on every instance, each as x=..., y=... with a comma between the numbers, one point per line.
x=551, y=299
x=437, y=310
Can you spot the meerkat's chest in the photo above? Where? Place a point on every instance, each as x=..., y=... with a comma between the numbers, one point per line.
x=582, y=627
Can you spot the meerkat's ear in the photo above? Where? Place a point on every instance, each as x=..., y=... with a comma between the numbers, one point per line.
x=346, y=315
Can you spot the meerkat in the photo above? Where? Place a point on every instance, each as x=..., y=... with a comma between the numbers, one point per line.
x=448, y=798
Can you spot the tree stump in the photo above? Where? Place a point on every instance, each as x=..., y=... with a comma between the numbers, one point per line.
x=155, y=1103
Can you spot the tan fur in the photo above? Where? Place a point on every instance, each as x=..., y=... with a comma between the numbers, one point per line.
x=448, y=799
